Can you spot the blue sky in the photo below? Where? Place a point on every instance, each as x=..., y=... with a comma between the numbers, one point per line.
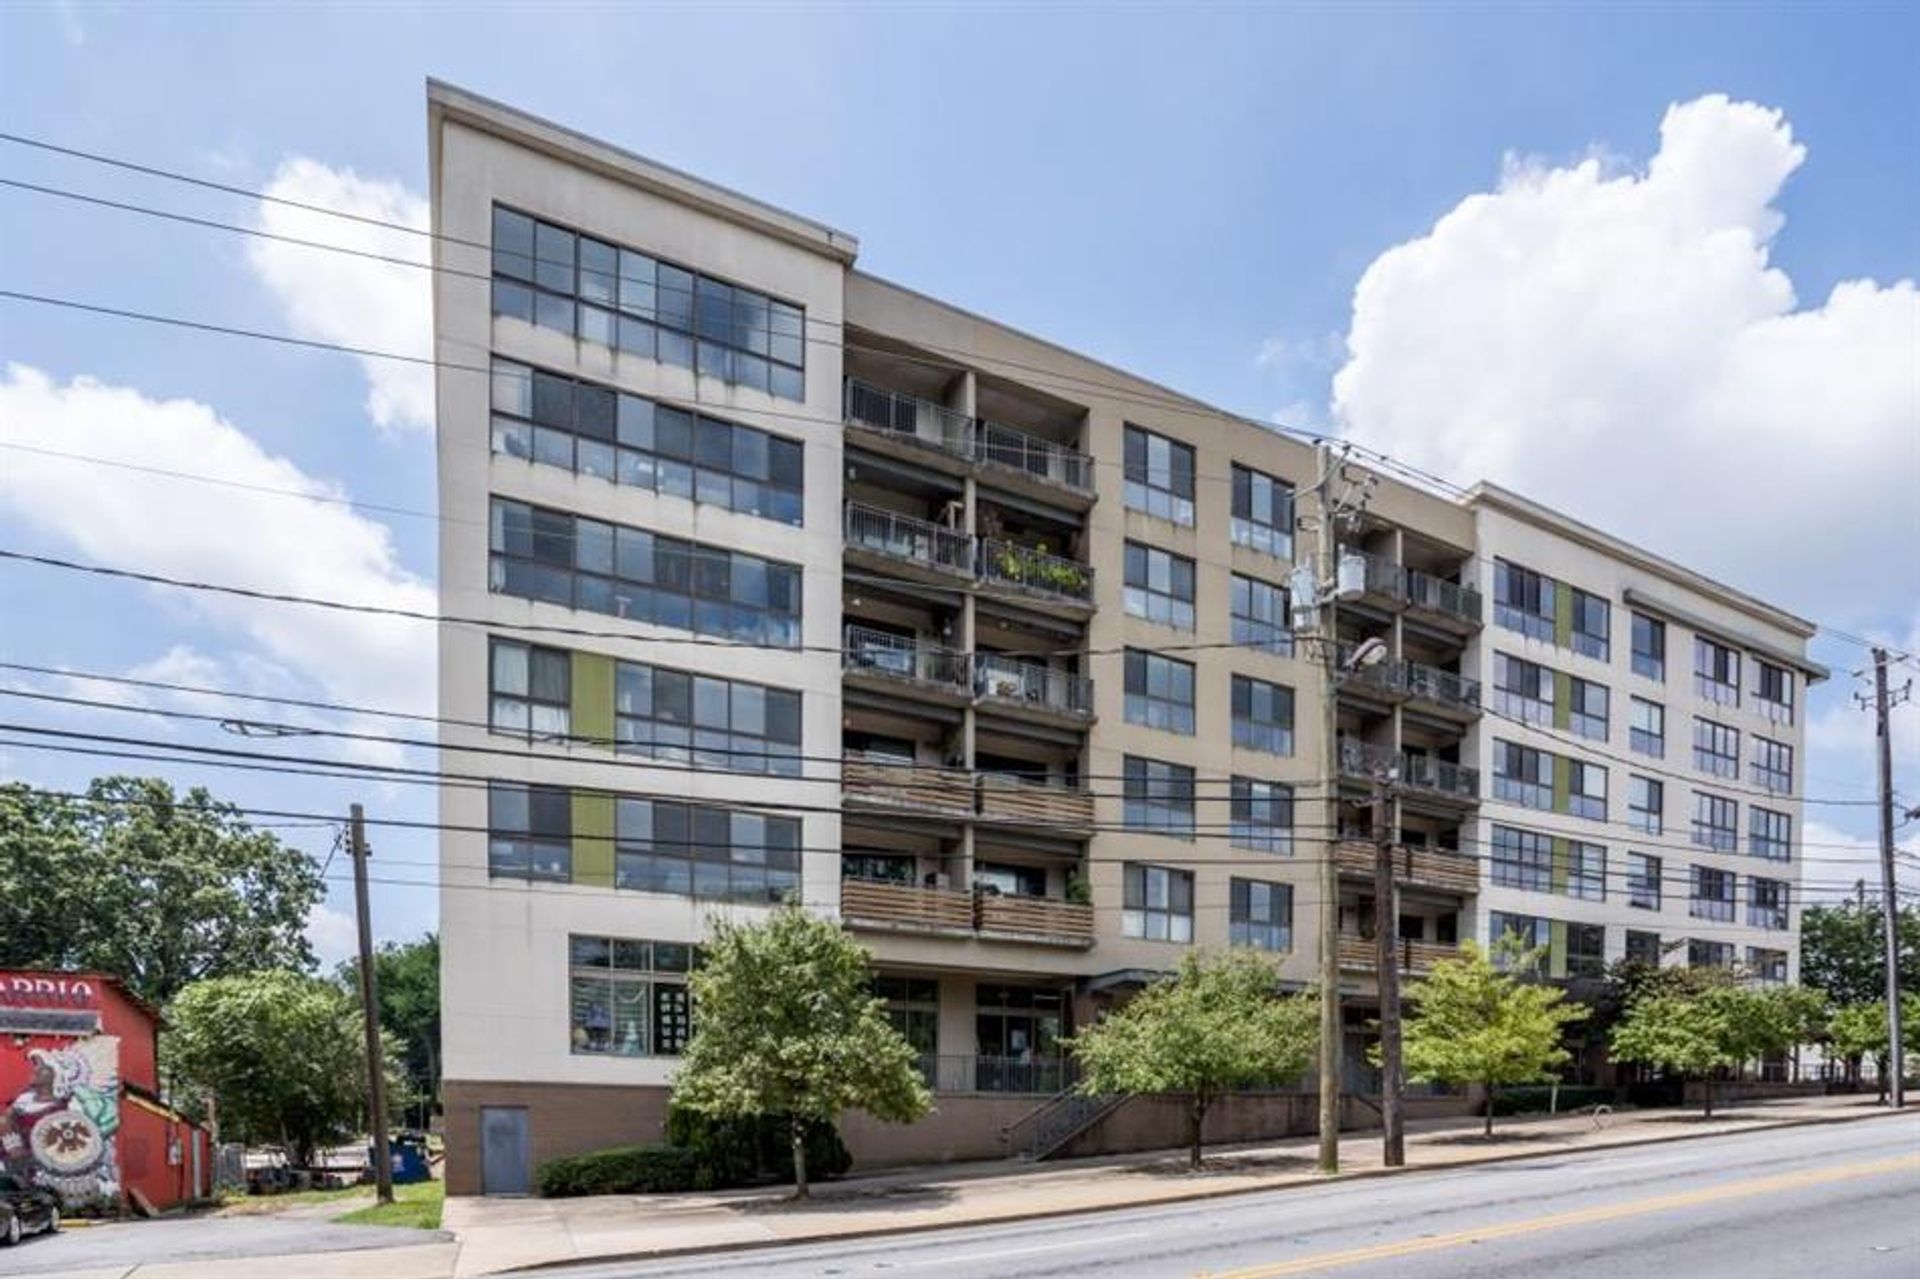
x=1174, y=190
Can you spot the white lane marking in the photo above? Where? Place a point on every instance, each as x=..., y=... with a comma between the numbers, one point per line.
x=1021, y=1252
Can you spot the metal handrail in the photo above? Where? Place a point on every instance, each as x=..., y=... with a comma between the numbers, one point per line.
x=999, y=676
x=906, y=537
x=1421, y=772
x=1435, y=684
x=1036, y=570
x=1442, y=596
x=1032, y=455
x=908, y=416
x=865, y=649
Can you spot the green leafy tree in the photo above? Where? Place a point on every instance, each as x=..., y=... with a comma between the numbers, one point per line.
x=408, y=974
x=1219, y=1023
x=1470, y=1021
x=280, y=1053
x=1860, y=1030
x=1843, y=950
x=1715, y=1025
x=159, y=889
x=786, y=1023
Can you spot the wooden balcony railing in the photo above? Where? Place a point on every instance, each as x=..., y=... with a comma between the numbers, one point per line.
x=891, y=784
x=1011, y=799
x=1070, y=923
x=875, y=902
x=1421, y=867
x=1357, y=953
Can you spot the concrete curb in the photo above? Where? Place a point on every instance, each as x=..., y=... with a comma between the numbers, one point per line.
x=748, y=1245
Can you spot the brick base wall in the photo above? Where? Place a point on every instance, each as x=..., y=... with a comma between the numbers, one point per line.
x=562, y=1119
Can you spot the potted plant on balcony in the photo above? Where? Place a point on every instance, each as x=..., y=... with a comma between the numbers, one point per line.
x=1079, y=891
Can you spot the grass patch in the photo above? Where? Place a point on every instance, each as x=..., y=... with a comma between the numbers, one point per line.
x=247, y=1204
x=417, y=1204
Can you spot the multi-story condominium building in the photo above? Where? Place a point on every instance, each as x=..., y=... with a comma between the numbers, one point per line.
x=776, y=580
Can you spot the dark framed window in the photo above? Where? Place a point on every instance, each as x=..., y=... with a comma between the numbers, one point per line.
x=1010, y=880
x=1261, y=816
x=1649, y=647
x=1159, y=475
x=1767, y=902
x=1262, y=716
x=1716, y=822
x=1262, y=512
x=1523, y=600
x=877, y=867
x=1646, y=803
x=1647, y=727
x=1588, y=715
x=1592, y=624
x=1773, y=765
x=1709, y=954
x=1159, y=586
x=1532, y=931
x=556, y=278
x=704, y=852
x=670, y=714
x=628, y=997
x=529, y=832
x=1587, y=789
x=1769, y=834
x=1712, y=896
x=1643, y=881
x=1159, y=692
x=1643, y=947
x=1773, y=691
x=559, y=558
x=1158, y=796
x=531, y=690
x=1586, y=871
x=1522, y=775
x=1522, y=690
x=1158, y=903
x=1766, y=965
x=1586, y=950
x=1522, y=859
x=1716, y=748
x=1716, y=672
x=1260, y=616
x=1260, y=914
x=913, y=1008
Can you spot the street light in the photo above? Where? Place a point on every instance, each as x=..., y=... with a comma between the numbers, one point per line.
x=1371, y=652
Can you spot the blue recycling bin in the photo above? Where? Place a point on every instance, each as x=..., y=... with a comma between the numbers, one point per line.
x=409, y=1155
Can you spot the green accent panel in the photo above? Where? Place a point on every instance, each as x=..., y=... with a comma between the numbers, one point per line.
x=1562, y=700
x=1562, y=784
x=593, y=696
x=593, y=839
x=1557, y=948
x=1562, y=615
x=1561, y=864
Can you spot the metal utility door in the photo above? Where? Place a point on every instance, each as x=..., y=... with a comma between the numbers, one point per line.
x=505, y=1154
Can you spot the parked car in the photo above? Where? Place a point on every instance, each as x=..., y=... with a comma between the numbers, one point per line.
x=25, y=1210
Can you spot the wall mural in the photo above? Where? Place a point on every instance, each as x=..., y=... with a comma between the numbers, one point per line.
x=58, y=1131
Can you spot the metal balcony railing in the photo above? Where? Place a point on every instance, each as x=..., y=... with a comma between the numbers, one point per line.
x=908, y=417
x=1027, y=1074
x=1003, y=446
x=1377, y=574
x=1416, y=772
x=906, y=538
x=883, y=653
x=1011, y=679
x=1423, y=590
x=1035, y=571
x=1432, y=684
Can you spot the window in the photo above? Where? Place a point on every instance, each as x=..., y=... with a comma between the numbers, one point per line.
x=913, y=1009
x=1709, y=954
x=1159, y=586
x=1773, y=691
x=1261, y=816
x=1716, y=672
x=1522, y=775
x=1646, y=803
x=1712, y=894
x=1587, y=790
x=1523, y=600
x=1592, y=622
x=559, y=558
x=1262, y=512
x=1647, y=727
x=1159, y=475
x=556, y=279
x=1649, y=647
x=1522, y=859
x=532, y=690
x=1260, y=618
x=1009, y=880
x=1158, y=796
x=1716, y=748
x=1586, y=871
x=1159, y=903
x=1531, y=931
x=1770, y=834
x=1522, y=690
x=1643, y=947
x=1589, y=708
x=1586, y=950
x=1261, y=914
x=877, y=867
x=529, y=832
x=1716, y=822
x=1769, y=966
x=702, y=719
x=1767, y=902
x=708, y=853
x=1773, y=765
x=629, y=998
x=1643, y=881
x=1262, y=716
x=1159, y=692
x=629, y=440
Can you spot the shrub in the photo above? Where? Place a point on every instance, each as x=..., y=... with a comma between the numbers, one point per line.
x=623, y=1170
x=1534, y=1099
x=741, y=1151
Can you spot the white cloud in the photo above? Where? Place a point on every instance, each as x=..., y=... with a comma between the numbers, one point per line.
x=219, y=534
x=333, y=934
x=1619, y=344
x=1838, y=860
x=334, y=297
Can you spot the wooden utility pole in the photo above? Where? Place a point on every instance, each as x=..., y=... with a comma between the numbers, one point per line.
x=370, y=1013
x=1889, y=894
x=1386, y=934
x=1327, y=588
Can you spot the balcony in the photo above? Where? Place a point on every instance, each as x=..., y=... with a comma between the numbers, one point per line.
x=1015, y=802
x=879, y=782
x=1447, y=603
x=1045, y=921
x=1014, y=457
x=1370, y=579
x=1027, y=571
x=1363, y=761
x=1443, y=692
x=1373, y=579
x=903, y=664
x=1359, y=954
x=899, y=542
x=907, y=423
x=884, y=906
x=1031, y=688
x=1432, y=868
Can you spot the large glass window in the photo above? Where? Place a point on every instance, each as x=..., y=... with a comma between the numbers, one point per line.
x=1712, y=894
x=1262, y=512
x=1767, y=902
x=1716, y=671
x=1716, y=748
x=1522, y=690
x=628, y=998
x=1649, y=647
x=532, y=690
x=557, y=279
x=1587, y=789
x=1261, y=816
x=1159, y=475
x=1159, y=692
x=712, y=854
x=1522, y=775
x=559, y=558
x=1260, y=914
x=1589, y=709
x=1643, y=881
x=701, y=719
x=1158, y=904
x=1647, y=727
x=1260, y=617
x=913, y=1008
x=1592, y=620
x=1159, y=586
x=1522, y=859
x=630, y=440
x=1773, y=691
x=529, y=832
x=1646, y=803
x=1262, y=716
x=1586, y=950
x=1586, y=871
x=1716, y=822
x=1643, y=948
x=1523, y=600
x=1767, y=965
x=1773, y=765
x=1530, y=931
x=1770, y=834
x=1158, y=796
x=1709, y=954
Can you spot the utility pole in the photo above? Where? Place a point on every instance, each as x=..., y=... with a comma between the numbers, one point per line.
x=1386, y=918
x=370, y=1012
x=1330, y=1022
x=1883, y=702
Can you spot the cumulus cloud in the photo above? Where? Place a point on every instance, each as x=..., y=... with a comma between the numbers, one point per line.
x=1619, y=344
x=334, y=935
x=333, y=297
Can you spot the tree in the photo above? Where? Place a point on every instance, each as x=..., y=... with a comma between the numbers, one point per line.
x=1860, y=1030
x=1470, y=1021
x=1843, y=950
x=786, y=1023
x=158, y=889
x=409, y=979
x=280, y=1053
x=1716, y=1024
x=1219, y=1023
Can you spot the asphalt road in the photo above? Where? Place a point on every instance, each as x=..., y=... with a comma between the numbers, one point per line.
x=123, y=1245
x=1841, y=1200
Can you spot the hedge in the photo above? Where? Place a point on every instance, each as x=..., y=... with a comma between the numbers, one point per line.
x=624, y=1170
x=704, y=1154
x=1534, y=1099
